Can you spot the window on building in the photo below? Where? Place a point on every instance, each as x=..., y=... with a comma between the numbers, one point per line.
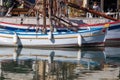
x=111, y=7
x=91, y=2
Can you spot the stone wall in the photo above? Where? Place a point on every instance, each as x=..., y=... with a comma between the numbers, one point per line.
x=32, y=20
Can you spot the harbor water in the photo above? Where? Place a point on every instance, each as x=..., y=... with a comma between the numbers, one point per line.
x=102, y=63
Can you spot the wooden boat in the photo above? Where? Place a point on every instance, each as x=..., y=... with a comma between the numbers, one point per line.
x=114, y=29
x=113, y=32
x=58, y=38
x=22, y=35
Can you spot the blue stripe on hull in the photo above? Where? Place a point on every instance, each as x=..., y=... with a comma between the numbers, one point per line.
x=114, y=27
x=17, y=29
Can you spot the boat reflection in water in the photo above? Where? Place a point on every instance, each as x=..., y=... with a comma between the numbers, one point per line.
x=49, y=64
x=113, y=55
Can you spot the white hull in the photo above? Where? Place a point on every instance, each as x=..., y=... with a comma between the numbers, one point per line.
x=96, y=37
x=61, y=41
x=114, y=32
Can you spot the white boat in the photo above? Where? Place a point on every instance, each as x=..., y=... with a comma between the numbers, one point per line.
x=61, y=38
x=113, y=31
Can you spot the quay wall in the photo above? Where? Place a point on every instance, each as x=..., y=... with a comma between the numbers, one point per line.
x=32, y=20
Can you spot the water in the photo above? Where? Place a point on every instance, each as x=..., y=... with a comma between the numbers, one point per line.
x=60, y=64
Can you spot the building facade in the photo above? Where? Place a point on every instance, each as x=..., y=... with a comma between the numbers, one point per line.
x=105, y=5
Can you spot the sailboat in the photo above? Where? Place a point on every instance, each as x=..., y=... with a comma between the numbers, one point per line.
x=60, y=38
x=13, y=35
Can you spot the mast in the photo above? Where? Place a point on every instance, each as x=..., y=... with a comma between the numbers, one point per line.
x=44, y=16
x=50, y=14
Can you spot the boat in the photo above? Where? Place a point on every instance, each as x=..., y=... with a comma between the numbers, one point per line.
x=24, y=35
x=58, y=38
x=114, y=29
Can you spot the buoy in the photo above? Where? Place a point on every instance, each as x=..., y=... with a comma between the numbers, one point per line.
x=15, y=38
x=50, y=35
x=79, y=40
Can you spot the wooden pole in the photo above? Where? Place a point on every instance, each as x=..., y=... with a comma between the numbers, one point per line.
x=74, y=28
x=44, y=16
x=91, y=11
x=50, y=14
x=62, y=20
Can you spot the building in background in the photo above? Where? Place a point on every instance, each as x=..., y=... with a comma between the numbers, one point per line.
x=113, y=4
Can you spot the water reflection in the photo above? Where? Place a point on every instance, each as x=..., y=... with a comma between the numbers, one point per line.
x=113, y=55
x=53, y=64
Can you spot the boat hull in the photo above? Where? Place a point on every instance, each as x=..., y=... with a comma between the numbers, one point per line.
x=8, y=40
x=96, y=37
x=113, y=31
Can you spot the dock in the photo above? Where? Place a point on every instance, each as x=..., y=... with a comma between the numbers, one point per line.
x=32, y=20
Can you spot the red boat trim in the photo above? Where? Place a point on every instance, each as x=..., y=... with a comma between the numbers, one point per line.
x=21, y=25
x=80, y=25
